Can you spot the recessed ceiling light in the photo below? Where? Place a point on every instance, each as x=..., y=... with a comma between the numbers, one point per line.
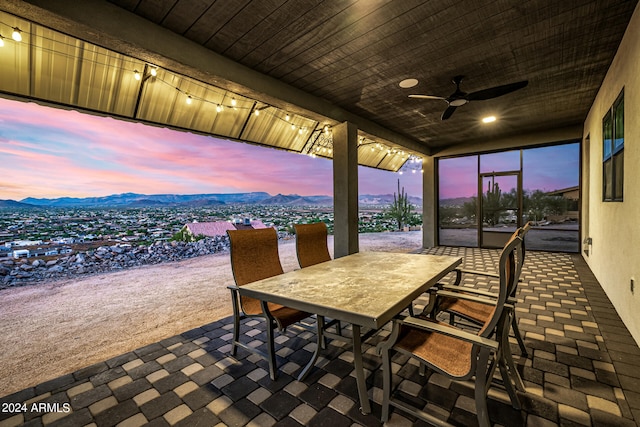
x=407, y=83
x=489, y=119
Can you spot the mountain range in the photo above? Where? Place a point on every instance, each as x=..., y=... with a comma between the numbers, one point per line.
x=168, y=200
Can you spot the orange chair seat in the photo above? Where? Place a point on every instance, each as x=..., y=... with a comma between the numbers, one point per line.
x=285, y=316
x=450, y=354
x=475, y=311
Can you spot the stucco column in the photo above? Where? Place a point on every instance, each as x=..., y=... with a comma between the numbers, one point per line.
x=345, y=189
x=429, y=202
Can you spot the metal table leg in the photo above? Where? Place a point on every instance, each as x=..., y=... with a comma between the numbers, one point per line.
x=365, y=406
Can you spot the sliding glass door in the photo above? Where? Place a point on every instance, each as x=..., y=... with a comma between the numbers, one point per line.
x=484, y=198
x=500, y=207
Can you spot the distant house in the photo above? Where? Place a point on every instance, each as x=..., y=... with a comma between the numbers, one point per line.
x=21, y=253
x=219, y=228
x=572, y=194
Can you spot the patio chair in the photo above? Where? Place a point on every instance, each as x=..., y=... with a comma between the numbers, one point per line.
x=453, y=352
x=311, y=244
x=471, y=311
x=312, y=249
x=254, y=256
x=443, y=298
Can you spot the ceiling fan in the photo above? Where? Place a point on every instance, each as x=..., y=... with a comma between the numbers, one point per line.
x=460, y=98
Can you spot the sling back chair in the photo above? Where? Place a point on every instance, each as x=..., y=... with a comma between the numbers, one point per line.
x=443, y=299
x=311, y=244
x=254, y=256
x=453, y=352
x=312, y=249
x=473, y=312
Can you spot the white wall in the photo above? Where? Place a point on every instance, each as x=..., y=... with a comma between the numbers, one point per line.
x=614, y=256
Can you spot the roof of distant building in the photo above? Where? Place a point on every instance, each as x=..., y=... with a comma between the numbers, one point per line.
x=219, y=228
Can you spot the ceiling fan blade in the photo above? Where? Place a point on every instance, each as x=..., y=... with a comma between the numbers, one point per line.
x=497, y=91
x=426, y=97
x=448, y=112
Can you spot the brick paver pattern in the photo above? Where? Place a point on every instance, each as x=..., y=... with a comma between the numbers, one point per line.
x=581, y=370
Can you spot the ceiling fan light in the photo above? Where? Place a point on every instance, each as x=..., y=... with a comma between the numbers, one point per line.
x=458, y=102
x=489, y=119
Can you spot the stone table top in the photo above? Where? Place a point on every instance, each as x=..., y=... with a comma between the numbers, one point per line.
x=366, y=288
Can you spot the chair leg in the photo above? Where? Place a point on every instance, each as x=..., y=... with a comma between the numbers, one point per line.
x=507, y=356
x=236, y=335
x=410, y=308
x=321, y=342
x=506, y=379
x=516, y=332
x=236, y=323
x=481, y=386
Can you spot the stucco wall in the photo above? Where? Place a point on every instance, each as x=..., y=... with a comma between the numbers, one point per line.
x=614, y=256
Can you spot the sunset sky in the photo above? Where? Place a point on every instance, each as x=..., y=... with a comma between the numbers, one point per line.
x=48, y=152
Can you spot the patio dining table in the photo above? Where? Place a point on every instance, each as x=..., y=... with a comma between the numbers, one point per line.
x=365, y=289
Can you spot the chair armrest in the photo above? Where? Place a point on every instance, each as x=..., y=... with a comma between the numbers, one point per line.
x=466, y=297
x=469, y=290
x=450, y=331
x=233, y=287
x=481, y=273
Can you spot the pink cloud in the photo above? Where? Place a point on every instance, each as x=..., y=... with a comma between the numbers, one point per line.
x=60, y=152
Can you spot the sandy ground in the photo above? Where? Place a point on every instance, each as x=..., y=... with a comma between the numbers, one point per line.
x=56, y=328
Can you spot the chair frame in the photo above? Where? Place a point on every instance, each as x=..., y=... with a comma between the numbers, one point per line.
x=433, y=309
x=272, y=322
x=486, y=297
x=483, y=364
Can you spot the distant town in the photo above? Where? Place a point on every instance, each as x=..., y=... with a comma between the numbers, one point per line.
x=55, y=227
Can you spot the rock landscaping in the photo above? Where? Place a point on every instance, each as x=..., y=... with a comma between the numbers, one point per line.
x=23, y=271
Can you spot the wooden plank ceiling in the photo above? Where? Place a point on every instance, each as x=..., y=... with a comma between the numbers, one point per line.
x=353, y=54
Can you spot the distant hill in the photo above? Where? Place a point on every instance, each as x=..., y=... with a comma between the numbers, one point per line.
x=133, y=199
x=457, y=201
x=294, y=199
x=128, y=200
x=13, y=204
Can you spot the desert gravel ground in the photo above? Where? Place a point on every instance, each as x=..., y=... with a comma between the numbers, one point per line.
x=48, y=330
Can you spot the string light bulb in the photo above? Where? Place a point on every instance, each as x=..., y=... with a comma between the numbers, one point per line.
x=219, y=108
x=1, y=41
x=287, y=117
x=17, y=34
x=136, y=74
x=233, y=102
x=257, y=112
x=293, y=127
x=154, y=71
x=189, y=100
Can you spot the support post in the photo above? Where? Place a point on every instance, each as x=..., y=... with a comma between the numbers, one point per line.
x=429, y=202
x=345, y=189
